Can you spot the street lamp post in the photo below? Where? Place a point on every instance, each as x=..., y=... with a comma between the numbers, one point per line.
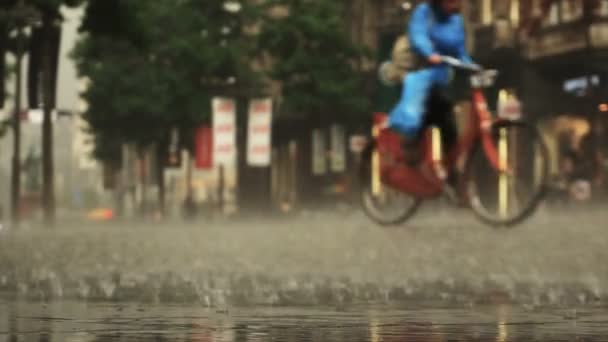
x=16, y=162
x=48, y=185
x=20, y=16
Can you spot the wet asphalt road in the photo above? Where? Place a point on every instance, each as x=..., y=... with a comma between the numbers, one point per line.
x=79, y=322
x=338, y=259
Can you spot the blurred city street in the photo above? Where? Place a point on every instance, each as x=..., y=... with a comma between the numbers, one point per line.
x=219, y=170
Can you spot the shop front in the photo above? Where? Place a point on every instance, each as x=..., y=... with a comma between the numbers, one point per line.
x=572, y=104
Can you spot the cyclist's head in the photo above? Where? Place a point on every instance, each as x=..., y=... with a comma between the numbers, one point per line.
x=448, y=6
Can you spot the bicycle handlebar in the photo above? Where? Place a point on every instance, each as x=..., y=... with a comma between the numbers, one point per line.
x=481, y=77
x=456, y=63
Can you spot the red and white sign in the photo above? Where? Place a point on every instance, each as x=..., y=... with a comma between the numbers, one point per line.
x=509, y=109
x=204, y=148
x=260, y=132
x=224, y=131
x=358, y=143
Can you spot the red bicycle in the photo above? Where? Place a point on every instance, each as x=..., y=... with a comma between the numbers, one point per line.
x=503, y=180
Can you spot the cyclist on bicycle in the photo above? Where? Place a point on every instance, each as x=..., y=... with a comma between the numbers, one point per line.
x=436, y=29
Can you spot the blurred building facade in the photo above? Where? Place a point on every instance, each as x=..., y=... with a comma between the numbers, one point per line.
x=78, y=176
x=552, y=56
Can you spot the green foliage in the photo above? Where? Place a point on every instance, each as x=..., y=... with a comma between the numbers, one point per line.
x=124, y=23
x=315, y=59
x=52, y=8
x=157, y=65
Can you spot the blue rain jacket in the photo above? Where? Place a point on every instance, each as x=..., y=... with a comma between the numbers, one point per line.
x=430, y=32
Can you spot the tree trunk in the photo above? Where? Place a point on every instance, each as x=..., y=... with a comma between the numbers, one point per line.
x=48, y=188
x=143, y=173
x=16, y=162
x=189, y=208
x=160, y=179
x=118, y=192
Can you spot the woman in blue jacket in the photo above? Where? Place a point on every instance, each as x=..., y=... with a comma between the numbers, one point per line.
x=436, y=29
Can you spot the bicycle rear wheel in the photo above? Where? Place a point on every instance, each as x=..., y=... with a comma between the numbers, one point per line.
x=382, y=204
x=507, y=195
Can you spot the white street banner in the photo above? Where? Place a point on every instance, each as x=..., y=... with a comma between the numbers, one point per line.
x=357, y=143
x=260, y=129
x=319, y=160
x=338, y=149
x=509, y=109
x=224, y=131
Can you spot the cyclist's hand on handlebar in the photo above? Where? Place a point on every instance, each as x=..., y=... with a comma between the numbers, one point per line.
x=454, y=62
x=477, y=66
x=435, y=59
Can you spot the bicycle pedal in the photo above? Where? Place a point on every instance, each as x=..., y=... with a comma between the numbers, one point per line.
x=440, y=171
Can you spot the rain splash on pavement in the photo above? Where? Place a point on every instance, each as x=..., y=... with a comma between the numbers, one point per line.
x=554, y=259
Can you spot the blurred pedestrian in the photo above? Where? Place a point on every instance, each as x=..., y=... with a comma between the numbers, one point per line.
x=577, y=167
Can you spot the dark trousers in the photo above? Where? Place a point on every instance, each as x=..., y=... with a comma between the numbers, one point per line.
x=440, y=113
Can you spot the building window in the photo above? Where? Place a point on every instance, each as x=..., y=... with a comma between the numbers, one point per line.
x=502, y=9
x=602, y=9
x=486, y=14
x=514, y=13
x=571, y=10
x=552, y=16
x=475, y=11
x=480, y=11
x=564, y=11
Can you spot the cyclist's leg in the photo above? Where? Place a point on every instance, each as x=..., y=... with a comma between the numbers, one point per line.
x=407, y=117
x=441, y=114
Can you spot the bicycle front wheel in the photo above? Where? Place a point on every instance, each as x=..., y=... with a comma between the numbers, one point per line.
x=381, y=203
x=506, y=188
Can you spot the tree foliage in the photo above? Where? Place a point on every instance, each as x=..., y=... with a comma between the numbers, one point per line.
x=156, y=66
x=315, y=59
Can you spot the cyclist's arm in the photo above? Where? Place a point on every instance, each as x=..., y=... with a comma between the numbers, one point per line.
x=419, y=32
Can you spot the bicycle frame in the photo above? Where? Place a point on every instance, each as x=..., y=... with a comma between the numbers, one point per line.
x=427, y=180
x=479, y=130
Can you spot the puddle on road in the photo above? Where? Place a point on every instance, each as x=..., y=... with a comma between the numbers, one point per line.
x=79, y=322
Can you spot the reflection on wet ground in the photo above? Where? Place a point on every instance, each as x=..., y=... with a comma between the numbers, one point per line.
x=79, y=322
